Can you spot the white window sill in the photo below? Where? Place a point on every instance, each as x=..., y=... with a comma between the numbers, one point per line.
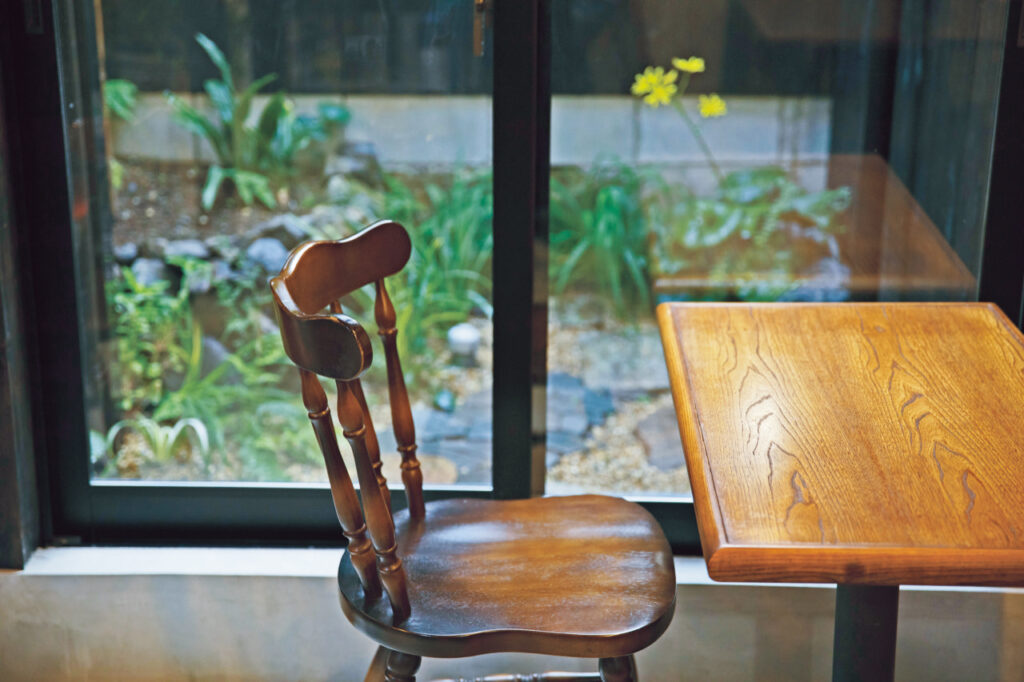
x=294, y=563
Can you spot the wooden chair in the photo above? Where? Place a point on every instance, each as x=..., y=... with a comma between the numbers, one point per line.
x=583, y=576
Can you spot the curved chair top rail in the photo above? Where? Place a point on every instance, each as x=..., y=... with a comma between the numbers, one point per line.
x=319, y=273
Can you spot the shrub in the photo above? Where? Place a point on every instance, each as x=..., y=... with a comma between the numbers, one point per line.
x=254, y=159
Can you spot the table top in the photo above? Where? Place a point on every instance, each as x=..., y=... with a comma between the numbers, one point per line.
x=853, y=442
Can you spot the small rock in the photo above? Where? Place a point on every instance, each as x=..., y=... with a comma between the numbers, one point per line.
x=149, y=271
x=186, y=248
x=659, y=434
x=223, y=246
x=222, y=271
x=126, y=253
x=269, y=253
x=288, y=229
x=463, y=342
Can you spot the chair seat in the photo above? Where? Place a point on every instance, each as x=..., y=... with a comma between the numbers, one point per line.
x=586, y=576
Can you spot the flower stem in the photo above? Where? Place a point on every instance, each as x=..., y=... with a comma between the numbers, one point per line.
x=697, y=135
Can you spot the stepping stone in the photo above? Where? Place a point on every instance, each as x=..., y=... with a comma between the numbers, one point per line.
x=627, y=364
x=659, y=434
x=566, y=411
x=563, y=443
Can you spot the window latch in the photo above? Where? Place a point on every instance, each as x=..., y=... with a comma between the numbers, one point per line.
x=481, y=20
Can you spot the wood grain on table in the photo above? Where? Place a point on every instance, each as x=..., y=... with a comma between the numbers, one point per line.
x=853, y=443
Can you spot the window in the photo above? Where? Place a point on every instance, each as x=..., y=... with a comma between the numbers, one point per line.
x=596, y=159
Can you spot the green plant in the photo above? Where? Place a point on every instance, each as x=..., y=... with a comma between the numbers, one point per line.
x=598, y=228
x=252, y=158
x=164, y=441
x=448, y=273
x=152, y=328
x=758, y=221
x=120, y=97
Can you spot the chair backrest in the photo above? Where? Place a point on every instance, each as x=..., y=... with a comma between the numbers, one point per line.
x=321, y=340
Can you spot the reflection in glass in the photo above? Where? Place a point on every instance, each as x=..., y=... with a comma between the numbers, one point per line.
x=746, y=151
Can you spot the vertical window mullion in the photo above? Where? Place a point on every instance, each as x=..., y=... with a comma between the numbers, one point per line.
x=521, y=127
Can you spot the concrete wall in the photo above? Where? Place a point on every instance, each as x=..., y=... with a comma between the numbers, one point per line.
x=431, y=130
x=256, y=616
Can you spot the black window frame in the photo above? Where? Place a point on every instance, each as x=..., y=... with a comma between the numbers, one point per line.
x=77, y=510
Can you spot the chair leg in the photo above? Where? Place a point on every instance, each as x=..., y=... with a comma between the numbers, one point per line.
x=401, y=667
x=621, y=669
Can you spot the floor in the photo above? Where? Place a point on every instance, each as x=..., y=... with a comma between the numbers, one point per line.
x=274, y=615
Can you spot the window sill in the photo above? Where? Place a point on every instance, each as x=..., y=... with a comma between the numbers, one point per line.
x=295, y=563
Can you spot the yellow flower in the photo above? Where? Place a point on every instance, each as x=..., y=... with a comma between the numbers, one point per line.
x=691, y=65
x=655, y=86
x=711, y=106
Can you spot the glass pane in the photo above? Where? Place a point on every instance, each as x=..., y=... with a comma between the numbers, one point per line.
x=747, y=151
x=235, y=130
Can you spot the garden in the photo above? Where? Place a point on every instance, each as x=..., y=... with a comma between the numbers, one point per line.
x=199, y=386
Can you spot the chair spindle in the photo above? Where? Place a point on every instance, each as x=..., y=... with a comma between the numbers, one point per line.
x=372, y=445
x=346, y=504
x=401, y=412
x=379, y=523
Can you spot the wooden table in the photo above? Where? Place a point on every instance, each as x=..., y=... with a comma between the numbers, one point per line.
x=865, y=444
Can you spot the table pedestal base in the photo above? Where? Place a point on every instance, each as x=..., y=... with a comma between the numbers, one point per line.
x=865, y=636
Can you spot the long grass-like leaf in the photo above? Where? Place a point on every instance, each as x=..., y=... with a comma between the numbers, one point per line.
x=214, y=177
x=217, y=57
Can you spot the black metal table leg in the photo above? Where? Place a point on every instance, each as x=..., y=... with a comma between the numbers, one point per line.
x=864, y=649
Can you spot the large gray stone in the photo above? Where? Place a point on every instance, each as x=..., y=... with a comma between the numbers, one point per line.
x=598, y=405
x=289, y=229
x=149, y=271
x=269, y=254
x=126, y=253
x=434, y=424
x=223, y=246
x=214, y=354
x=566, y=405
x=659, y=434
x=472, y=458
x=186, y=248
x=627, y=364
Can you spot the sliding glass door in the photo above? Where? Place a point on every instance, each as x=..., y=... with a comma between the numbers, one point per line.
x=747, y=151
